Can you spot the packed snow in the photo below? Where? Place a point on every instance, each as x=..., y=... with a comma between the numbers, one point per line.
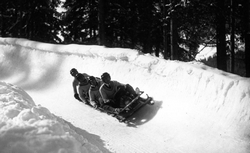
x=197, y=108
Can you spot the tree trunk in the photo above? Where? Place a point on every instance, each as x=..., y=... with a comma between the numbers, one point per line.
x=147, y=45
x=220, y=36
x=157, y=50
x=91, y=19
x=101, y=24
x=173, y=37
x=2, y=34
x=232, y=58
x=247, y=37
x=165, y=31
x=133, y=25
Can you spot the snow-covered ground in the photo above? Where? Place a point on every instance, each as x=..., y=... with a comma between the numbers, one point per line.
x=197, y=108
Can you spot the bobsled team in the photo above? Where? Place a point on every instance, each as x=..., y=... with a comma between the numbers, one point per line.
x=101, y=93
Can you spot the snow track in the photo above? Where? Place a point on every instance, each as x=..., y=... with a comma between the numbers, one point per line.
x=197, y=109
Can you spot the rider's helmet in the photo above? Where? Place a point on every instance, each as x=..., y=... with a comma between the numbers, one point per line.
x=81, y=78
x=73, y=72
x=105, y=77
x=92, y=80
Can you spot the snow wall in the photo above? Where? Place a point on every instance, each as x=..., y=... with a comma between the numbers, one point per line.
x=26, y=127
x=215, y=93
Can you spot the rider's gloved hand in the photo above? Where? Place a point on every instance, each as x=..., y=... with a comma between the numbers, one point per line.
x=77, y=97
x=109, y=101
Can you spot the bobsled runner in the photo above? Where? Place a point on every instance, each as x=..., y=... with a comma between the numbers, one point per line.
x=133, y=106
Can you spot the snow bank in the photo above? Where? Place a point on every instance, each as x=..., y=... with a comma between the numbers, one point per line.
x=216, y=85
x=26, y=128
x=205, y=53
x=81, y=50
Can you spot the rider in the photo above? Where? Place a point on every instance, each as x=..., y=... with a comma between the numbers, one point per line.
x=95, y=97
x=83, y=87
x=109, y=89
x=75, y=82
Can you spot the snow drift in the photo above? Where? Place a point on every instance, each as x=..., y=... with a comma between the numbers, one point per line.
x=203, y=99
x=26, y=127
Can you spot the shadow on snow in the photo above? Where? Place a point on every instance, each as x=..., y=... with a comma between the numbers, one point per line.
x=92, y=139
x=144, y=114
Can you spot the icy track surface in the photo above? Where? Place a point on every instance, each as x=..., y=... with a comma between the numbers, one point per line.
x=197, y=108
